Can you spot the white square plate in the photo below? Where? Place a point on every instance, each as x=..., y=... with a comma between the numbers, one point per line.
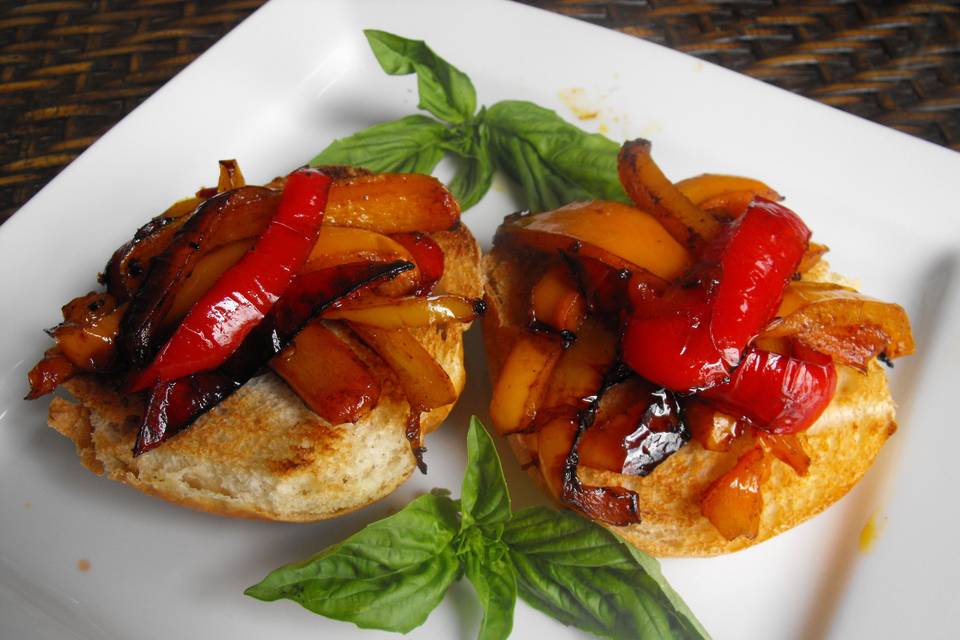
x=274, y=92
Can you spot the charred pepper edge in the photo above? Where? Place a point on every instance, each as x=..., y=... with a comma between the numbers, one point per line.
x=236, y=371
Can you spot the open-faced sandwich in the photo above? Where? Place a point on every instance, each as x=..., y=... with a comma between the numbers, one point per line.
x=271, y=351
x=686, y=370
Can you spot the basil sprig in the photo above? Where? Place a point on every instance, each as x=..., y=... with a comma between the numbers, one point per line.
x=393, y=573
x=413, y=144
x=388, y=576
x=445, y=91
x=551, y=160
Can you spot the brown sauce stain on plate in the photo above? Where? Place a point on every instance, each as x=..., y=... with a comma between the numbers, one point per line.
x=589, y=107
x=574, y=99
x=83, y=565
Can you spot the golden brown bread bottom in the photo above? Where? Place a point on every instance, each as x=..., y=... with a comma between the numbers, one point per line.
x=842, y=444
x=262, y=453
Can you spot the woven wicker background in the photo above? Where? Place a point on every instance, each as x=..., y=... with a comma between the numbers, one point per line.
x=71, y=69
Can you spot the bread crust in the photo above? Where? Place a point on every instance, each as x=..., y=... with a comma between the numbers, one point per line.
x=262, y=453
x=842, y=444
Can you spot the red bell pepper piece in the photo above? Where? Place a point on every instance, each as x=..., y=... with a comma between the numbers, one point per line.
x=428, y=256
x=762, y=252
x=139, y=338
x=672, y=345
x=692, y=336
x=173, y=406
x=220, y=320
x=780, y=394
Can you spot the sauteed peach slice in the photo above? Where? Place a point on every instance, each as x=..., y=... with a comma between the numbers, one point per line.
x=392, y=203
x=812, y=256
x=523, y=381
x=230, y=176
x=202, y=276
x=733, y=503
x=580, y=370
x=49, y=373
x=653, y=192
x=423, y=380
x=714, y=430
x=411, y=311
x=127, y=268
x=620, y=236
x=85, y=342
x=788, y=448
x=556, y=300
x=840, y=322
x=91, y=346
x=602, y=446
x=339, y=245
x=235, y=215
x=554, y=441
x=724, y=197
x=327, y=375
x=84, y=309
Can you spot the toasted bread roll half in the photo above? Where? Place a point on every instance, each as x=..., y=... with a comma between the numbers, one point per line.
x=842, y=443
x=262, y=453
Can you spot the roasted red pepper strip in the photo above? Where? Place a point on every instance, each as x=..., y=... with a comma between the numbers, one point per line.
x=237, y=214
x=777, y=393
x=428, y=256
x=220, y=320
x=671, y=345
x=763, y=252
x=173, y=406
x=692, y=337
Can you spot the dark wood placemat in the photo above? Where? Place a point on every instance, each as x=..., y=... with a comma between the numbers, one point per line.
x=70, y=69
x=894, y=62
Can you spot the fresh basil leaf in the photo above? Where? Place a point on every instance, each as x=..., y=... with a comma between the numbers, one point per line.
x=491, y=572
x=585, y=576
x=390, y=575
x=474, y=176
x=393, y=573
x=485, y=501
x=472, y=180
x=445, y=91
x=553, y=161
x=485, y=508
x=414, y=144
x=682, y=611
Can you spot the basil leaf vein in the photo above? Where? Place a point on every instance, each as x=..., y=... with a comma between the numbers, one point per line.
x=554, y=161
x=493, y=576
x=485, y=501
x=585, y=576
